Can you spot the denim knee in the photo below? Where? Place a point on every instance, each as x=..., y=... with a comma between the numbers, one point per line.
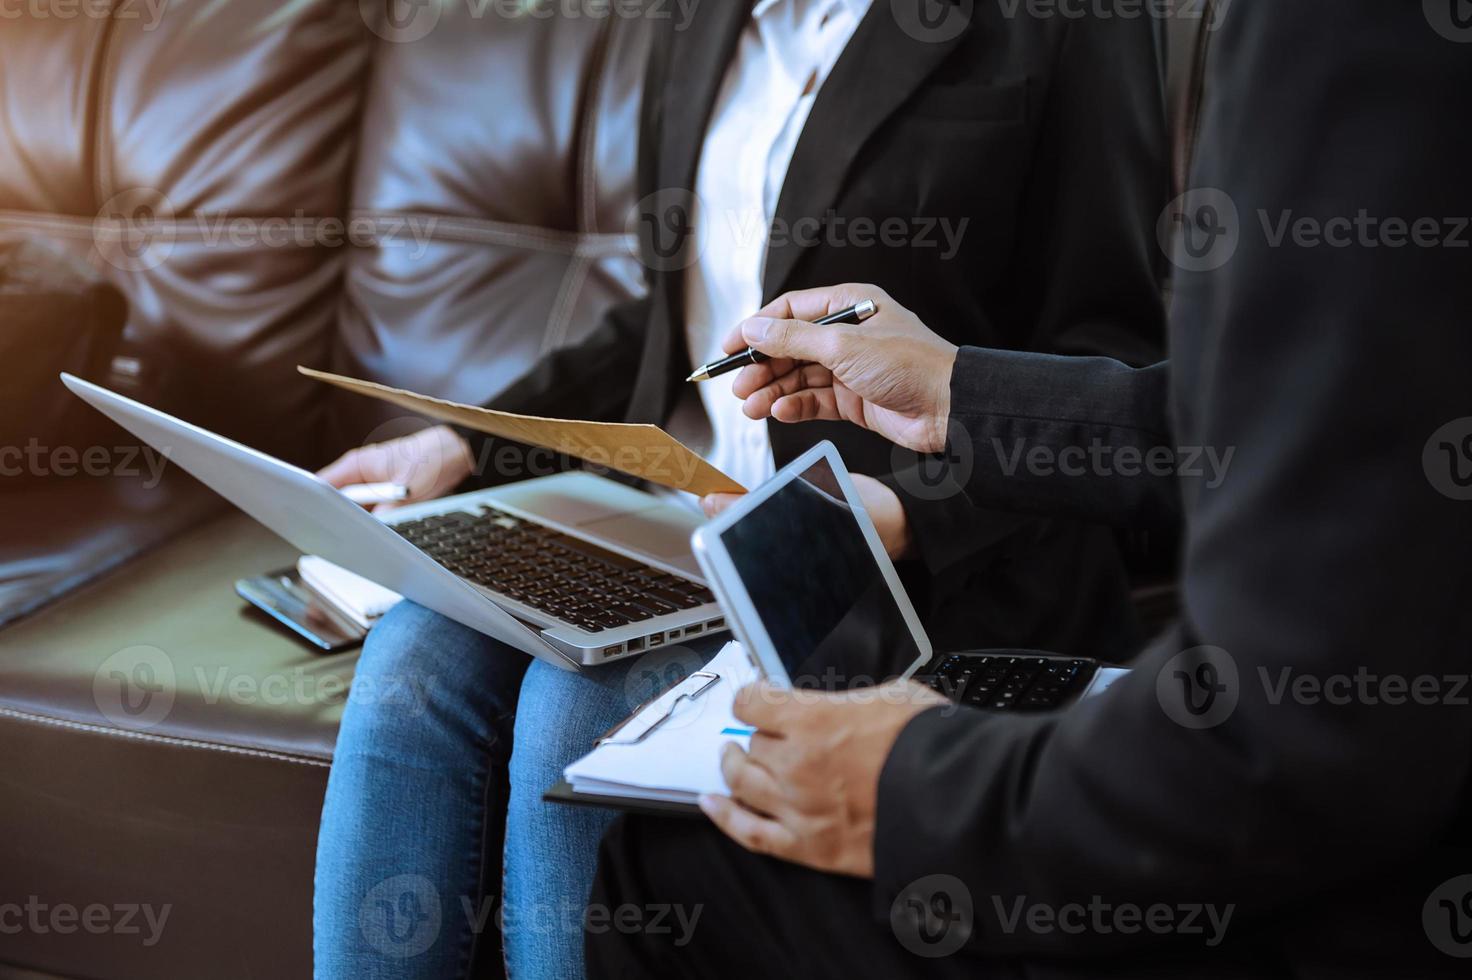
x=426, y=683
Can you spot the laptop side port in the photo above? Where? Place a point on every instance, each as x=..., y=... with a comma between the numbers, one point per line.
x=716, y=624
x=657, y=640
x=695, y=630
x=636, y=645
x=614, y=650
x=674, y=634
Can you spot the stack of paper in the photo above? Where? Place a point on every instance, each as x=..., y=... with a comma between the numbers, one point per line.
x=678, y=759
x=357, y=598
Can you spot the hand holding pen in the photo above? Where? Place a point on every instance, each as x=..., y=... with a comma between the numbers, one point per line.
x=857, y=313
x=890, y=374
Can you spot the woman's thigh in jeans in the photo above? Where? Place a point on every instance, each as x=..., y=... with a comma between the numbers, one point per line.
x=409, y=851
x=552, y=849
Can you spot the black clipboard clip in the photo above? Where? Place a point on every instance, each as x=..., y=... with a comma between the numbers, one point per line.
x=690, y=689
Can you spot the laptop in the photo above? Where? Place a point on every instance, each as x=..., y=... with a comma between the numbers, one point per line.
x=817, y=603
x=574, y=568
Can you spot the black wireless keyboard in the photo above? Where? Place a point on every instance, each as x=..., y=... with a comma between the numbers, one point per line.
x=1001, y=682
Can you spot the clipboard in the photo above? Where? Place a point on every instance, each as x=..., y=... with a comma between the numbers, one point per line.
x=689, y=689
x=644, y=765
x=562, y=792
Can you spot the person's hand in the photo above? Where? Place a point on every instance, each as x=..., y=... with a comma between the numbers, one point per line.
x=882, y=503
x=808, y=789
x=430, y=463
x=890, y=374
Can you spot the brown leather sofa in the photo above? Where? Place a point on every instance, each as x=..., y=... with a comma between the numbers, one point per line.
x=431, y=200
x=325, y=189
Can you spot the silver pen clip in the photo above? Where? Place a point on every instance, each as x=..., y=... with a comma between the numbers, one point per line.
x=699, y=682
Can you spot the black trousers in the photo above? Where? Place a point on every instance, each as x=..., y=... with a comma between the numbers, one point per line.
x=676, y=898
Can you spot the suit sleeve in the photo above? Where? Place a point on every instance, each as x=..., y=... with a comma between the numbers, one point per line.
x=1328, y=572
x=1087, y=269
x=1082, y=437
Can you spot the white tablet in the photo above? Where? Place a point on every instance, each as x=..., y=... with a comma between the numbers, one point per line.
x=800, y=571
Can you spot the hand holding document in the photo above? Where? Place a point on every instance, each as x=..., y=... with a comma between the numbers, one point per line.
x=643, y=451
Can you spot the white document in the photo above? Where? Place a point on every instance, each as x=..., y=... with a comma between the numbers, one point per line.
x=679, y=759
x=349, y=593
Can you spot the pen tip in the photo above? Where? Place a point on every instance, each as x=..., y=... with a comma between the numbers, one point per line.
x=697, y=376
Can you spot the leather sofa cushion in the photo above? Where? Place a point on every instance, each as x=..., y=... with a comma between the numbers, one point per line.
x=498, y=164
x=57, y=317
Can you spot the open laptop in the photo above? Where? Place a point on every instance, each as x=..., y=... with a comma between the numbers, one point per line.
x=816, y=602
x=574, y=569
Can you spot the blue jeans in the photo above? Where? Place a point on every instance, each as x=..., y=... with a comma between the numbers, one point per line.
x=448, y=741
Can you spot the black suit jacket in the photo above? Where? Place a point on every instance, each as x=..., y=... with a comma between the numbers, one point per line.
x=1046, y=138
x=1331, y=550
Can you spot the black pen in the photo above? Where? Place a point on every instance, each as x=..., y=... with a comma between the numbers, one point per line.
x=854, y=314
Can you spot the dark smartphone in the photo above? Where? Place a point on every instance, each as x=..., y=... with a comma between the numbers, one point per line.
x=284, y=597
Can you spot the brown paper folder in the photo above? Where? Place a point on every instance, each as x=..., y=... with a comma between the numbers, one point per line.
x=644, y=451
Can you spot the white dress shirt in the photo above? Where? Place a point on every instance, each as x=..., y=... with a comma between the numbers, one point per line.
x=786, y=52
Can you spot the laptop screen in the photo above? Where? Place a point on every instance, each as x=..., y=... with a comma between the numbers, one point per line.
x=818, y=587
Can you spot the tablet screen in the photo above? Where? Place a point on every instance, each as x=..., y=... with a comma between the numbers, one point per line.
x=818, y=587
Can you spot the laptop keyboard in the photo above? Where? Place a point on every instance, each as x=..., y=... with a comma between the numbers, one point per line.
x=1005, y=683
x=580, y=583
